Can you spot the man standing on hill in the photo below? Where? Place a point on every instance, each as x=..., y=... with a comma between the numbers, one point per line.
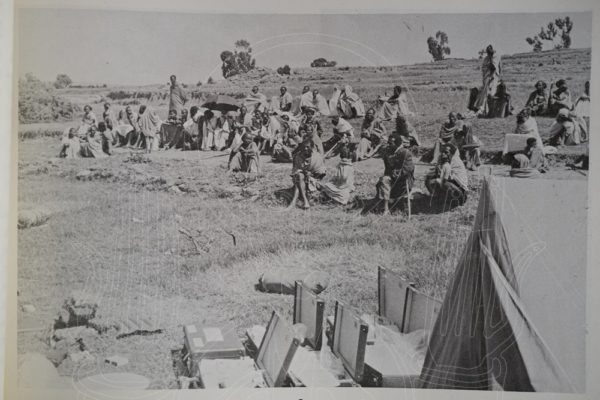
x=177, y=96
x=490, y=70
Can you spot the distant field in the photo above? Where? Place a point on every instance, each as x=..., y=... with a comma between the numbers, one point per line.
x=116, y=233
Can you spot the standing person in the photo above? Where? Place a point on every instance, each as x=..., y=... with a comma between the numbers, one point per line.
x=105, y=137
x=398, y=175
x=209, y=125
x=490, y=70
x=285, y=100
x=132, y=120
x=149, y=124
x=177, y=96
x=372, y=132
x=111, y=123
x=582, y=110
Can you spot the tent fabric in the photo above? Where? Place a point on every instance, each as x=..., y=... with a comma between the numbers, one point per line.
x=522, y=271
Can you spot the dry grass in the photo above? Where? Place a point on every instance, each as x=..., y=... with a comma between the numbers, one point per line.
x=117, y=234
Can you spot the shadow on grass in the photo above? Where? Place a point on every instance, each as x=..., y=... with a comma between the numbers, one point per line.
x=420, y=204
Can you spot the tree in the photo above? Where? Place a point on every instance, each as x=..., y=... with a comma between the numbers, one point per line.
x=285, y=70
x=62, y=81
x=322, y=62
x=210, y=80
x=438, y=46
x=558, y=33
x=239, y=60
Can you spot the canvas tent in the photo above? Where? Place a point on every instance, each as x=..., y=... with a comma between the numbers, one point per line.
x=514, y=315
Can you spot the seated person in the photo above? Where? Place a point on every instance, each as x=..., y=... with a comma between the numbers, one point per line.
x=372, y=131
x=342, y=183
x=70, y=147
x=581, y=162
x=308, y=168
x=245, y=157
x=309, y=133
x=309, y=117
x=499, y=103
x=468, y=146
x=407, y=131
x=537, y=103
x=448, y=131
x=559, y=98
x=92, y=146
x=286, y=142
x=448, y=182
x=396, y=104
x=398, y=175
x=172, y=117
x=564, y=131
x=341, y=129
x=536, y=157
x=521, y=169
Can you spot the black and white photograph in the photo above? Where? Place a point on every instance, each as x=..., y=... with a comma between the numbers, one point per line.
x=245, y=201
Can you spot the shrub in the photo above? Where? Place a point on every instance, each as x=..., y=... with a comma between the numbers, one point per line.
x=285, y=70
x=62, y=81
x=321, y=62
x=38, y=102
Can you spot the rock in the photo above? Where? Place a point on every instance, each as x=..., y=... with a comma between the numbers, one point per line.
x=117, y=361
x=250, y=192
x=28, y=308
x=84, y=175
x=31, y=218
x=72, y=335
x=175, y=189
x=81, y=357
x=81, y=308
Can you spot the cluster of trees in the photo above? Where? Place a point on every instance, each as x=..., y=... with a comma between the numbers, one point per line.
x=321, y=62
x=557, y=33
x=238, y=61
x=438, y=46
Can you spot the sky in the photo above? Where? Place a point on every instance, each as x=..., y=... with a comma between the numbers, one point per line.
x=138, y=48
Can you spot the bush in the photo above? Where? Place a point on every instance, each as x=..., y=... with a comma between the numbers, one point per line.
x=199, y=83
x=38, y=102
x=321, y=62
x=210, y=80
x=62, y=81
x=285, y=70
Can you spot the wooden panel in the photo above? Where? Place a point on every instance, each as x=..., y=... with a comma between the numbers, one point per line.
x=350, y=340
x=276, y=350
x=421, y=311
x=392, y=293
x=308, y=310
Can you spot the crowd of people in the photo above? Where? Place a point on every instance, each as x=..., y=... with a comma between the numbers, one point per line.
x=290, y=129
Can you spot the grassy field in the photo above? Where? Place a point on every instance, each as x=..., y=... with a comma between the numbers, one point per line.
x=115, y=234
